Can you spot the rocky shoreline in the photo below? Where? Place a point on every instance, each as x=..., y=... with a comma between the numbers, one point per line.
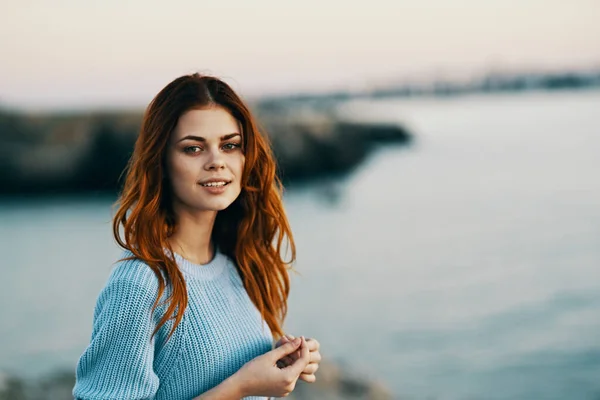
x=333, y=383
x=87, y=152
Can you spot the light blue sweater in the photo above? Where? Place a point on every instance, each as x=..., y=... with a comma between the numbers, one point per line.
x=220, y=331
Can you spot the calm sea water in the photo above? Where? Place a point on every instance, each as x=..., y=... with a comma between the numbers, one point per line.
x=466, y=266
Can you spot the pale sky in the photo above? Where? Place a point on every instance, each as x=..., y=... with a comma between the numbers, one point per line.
x=59, y=54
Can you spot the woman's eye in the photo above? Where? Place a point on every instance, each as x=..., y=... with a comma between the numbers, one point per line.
x=192, y=149
x=231, y=146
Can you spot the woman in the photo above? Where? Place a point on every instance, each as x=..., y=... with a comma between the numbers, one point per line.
x=192, y=308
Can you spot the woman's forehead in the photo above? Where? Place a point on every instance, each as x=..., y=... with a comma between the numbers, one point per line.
x=209, y=123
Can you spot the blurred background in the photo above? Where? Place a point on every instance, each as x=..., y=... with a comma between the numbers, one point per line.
x=441, y=160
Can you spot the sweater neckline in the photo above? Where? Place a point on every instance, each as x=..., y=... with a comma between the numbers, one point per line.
x=209, y=271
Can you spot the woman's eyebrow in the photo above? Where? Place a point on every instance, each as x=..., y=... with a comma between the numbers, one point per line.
x=201, y=139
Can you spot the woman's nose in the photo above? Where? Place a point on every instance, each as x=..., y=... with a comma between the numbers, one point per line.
x=215, y=161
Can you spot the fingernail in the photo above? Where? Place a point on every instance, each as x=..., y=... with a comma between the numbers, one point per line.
x=297, y=341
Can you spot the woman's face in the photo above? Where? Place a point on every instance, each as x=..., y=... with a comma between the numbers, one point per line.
x=205, y=160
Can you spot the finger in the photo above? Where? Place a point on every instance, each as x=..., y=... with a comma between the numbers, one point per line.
x=296, y=355
x=290, y=337
x=302, y=362
x=315, y=357
x=313, y=344
x=309, y=378
x=282, y=341
x=284, y=350
x=279, y=343
x=311, y=368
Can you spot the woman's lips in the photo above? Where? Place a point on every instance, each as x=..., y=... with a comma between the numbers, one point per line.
x=215, y=189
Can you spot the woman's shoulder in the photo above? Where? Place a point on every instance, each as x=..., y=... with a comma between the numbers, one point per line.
x=133, y=271
x=131, y=289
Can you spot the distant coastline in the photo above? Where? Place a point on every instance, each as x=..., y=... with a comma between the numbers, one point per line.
x=497, y=82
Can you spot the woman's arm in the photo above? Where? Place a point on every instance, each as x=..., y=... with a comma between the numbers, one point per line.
x=229, y=389
x=118, y=362
x=262, y=377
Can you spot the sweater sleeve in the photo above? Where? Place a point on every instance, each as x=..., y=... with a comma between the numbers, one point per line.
x=118, y=362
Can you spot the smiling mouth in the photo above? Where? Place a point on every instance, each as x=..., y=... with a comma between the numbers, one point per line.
x=215, y=184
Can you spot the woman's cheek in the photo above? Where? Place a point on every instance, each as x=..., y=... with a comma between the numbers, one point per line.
x=239, y=164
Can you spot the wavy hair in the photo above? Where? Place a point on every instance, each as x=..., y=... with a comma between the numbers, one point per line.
x=250, y=231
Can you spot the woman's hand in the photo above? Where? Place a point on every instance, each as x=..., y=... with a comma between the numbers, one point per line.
x=308, y=374
x=263, y=377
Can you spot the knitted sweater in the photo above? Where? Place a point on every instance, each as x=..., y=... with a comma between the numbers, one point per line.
x=220, y=331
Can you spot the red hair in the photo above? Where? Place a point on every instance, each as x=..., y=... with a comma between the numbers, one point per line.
x=250, y=231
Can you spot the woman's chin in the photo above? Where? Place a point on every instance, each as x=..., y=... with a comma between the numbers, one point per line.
x=215, y=205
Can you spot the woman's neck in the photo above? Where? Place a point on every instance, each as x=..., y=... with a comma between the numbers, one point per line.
x=192, y=236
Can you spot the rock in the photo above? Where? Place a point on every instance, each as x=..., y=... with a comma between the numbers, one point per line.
x=315, y=144
x=336, y=383
x=79, y=153
x=56, y=386
x=12, y=388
